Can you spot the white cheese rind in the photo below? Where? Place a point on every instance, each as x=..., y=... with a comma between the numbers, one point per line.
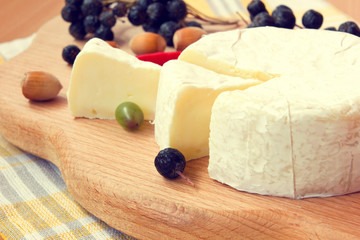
x=185, y=97
x=250, y=143
x=321, y=130
x=254, y=147
x=103, y=77
x=273, y=51
x=325, y=122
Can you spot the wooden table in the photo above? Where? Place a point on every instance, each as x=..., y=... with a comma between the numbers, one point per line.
x=22, y=18
x=350, y=7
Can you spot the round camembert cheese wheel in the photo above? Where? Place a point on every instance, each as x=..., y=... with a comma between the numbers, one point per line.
x=296, y=135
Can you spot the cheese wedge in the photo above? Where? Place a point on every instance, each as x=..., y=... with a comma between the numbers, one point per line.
x=103, y=77
x=185, y=97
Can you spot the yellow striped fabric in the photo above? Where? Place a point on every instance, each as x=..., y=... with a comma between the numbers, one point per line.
x=34, y=200
x=35, y=203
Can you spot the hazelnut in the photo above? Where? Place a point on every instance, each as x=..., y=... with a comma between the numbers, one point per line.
x=186, y=36
x=40, y=86
x=147, y=42
x=113, y=44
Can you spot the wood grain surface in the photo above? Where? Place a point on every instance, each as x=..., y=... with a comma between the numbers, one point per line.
x=350, y=7
x=110, y=171
x=22, y=18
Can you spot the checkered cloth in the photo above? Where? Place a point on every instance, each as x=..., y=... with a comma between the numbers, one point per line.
x=34, y=200
x=35, y=203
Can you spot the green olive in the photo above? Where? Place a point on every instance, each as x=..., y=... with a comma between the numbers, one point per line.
x=129, y=115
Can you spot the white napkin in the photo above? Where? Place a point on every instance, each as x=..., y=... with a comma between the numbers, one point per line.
x=12, y=48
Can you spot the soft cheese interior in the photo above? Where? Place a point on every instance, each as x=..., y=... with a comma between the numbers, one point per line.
x=185, y=97
x=103, y=77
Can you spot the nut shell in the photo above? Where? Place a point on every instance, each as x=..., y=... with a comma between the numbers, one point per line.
x=186, y=36
x=40, y=86
x=113, y=44
x=147, y=42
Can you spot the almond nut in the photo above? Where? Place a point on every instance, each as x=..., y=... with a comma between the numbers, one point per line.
x=186, y=36
x=147, y=42
x=40, y=86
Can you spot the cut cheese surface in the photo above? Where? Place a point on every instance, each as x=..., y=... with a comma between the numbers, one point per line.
x=185, y=97
x=103, y=77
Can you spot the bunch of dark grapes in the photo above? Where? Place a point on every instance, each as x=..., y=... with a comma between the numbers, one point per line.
x=96, y=17
x=92, y=17
x=159, y=16
x=283, y=17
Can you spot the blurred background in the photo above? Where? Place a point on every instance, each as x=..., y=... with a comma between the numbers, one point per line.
x=21, y=18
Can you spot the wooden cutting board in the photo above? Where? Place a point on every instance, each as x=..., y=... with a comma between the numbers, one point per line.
x=111, y=173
